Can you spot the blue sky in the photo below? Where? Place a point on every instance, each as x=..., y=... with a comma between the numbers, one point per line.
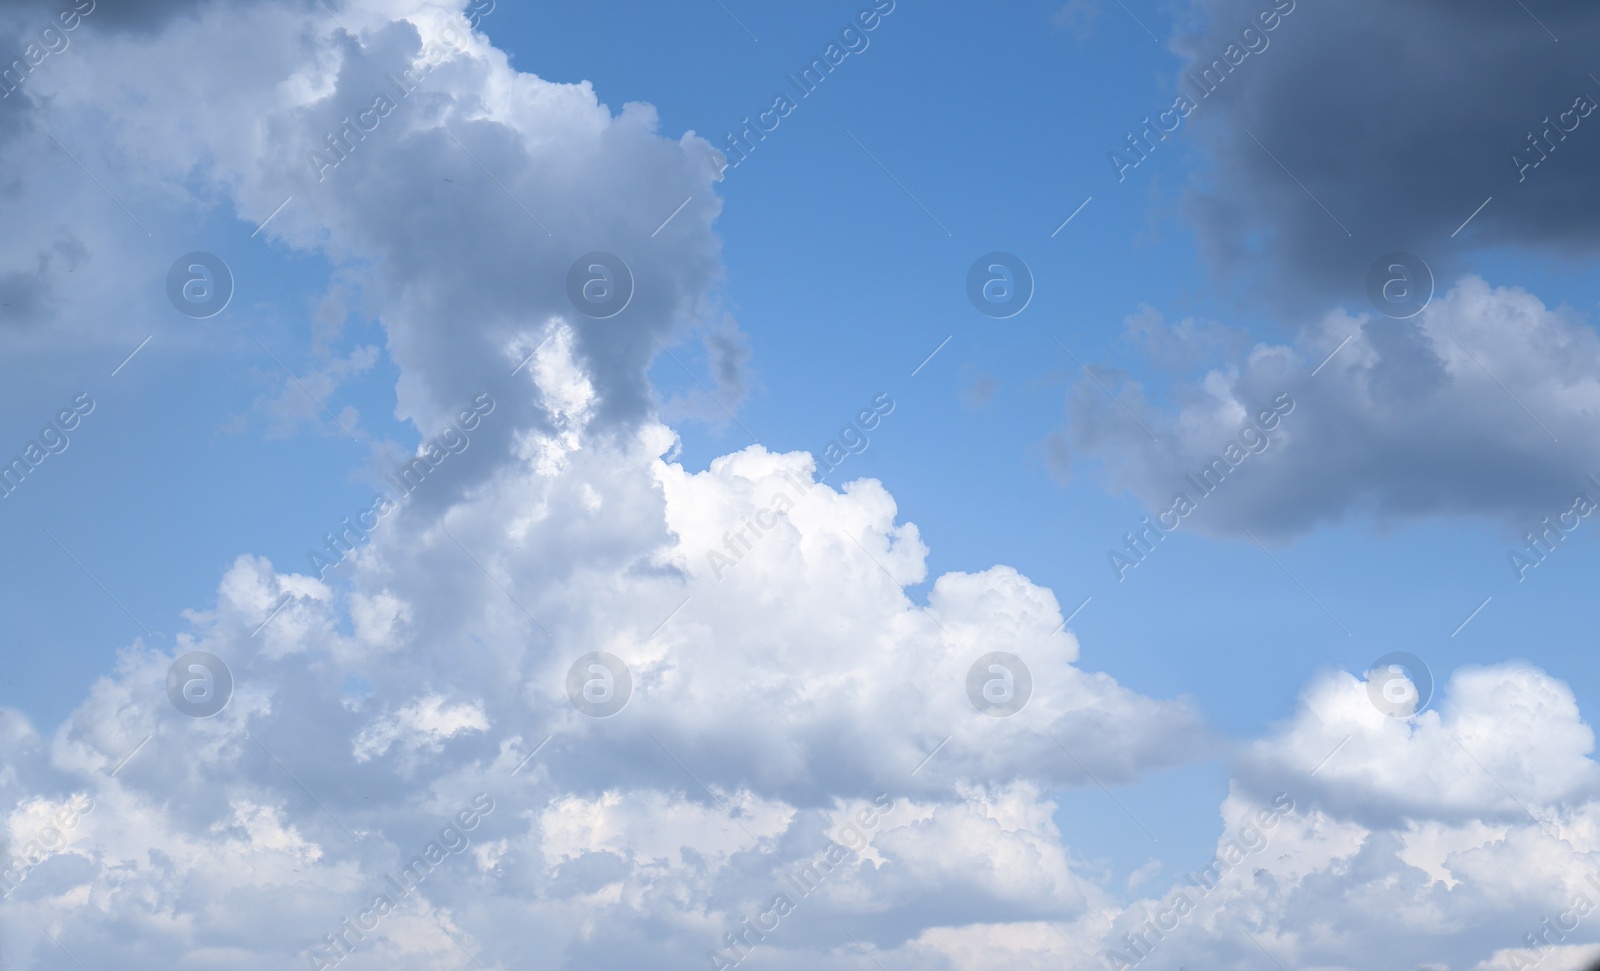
x=774, y=305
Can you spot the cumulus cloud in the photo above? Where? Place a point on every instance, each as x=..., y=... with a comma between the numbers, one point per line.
x=1510, y=727
x=450, y=193
x=798, y=725
x=1454, y=412
x=1456, y=838
x=780, y=687
x=772, y=705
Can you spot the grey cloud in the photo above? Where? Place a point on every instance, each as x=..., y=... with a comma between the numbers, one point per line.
x=1483, y=406
x=459, y=222
x=133, y=15
x=143, y=17
x=730, y=357
x=441, y=265
x=1186, y=344
x=978, y=388
x=27, y=296
x=1401, y=119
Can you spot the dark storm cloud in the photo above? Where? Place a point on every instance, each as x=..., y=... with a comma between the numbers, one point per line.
x=1400, y=118
x=1333, y=134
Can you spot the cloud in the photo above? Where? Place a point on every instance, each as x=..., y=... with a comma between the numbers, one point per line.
x=1449, y=413
x=772, y=699
x=425, y=724
x=785, y=676
x=1383, y=89
x=28, y=297
x=1191, y=342
x=140, y=16
x=979, y=388
x=507, y=179
x=298, y=398
x=766, y=714
x=1508, y=727
x=1400, y=846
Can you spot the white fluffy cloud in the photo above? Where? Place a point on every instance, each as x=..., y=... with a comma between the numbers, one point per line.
x=1401, y=849
x=798, y=726
x=770, y=707
x=426, y=723
x=774, y=700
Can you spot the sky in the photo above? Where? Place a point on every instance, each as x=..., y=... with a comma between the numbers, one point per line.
x=1067, y=484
